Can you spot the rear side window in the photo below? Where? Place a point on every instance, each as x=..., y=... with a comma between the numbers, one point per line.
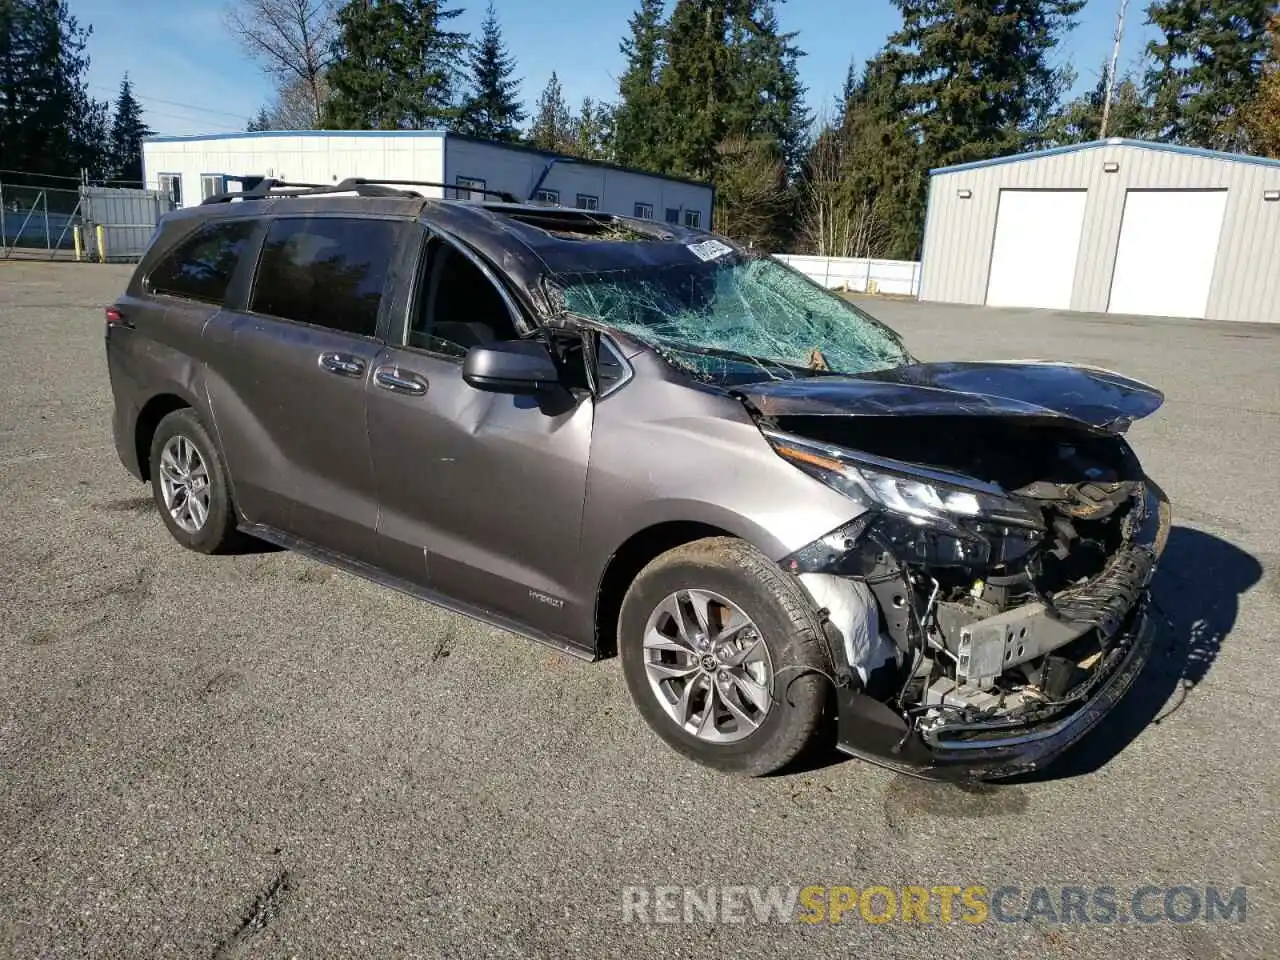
x=200, y=268
x=326, y=271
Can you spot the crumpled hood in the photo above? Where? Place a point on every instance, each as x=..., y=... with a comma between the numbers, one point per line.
x=1096, y=398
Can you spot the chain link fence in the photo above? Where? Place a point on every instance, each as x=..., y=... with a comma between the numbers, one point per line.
x=87, y=223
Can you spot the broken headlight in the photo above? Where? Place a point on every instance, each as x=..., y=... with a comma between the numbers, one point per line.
x=918, y=493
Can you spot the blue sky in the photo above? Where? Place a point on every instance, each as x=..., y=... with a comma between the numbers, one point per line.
x=192, y=78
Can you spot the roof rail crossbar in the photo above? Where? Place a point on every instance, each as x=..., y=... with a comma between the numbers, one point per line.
x=502, y=195
x=261, y=190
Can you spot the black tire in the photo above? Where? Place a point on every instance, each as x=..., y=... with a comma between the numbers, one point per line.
x=787, y=623
x=218, y=534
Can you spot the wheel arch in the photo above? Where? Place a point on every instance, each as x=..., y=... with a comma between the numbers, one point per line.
x=149, y=417
x=635, y=553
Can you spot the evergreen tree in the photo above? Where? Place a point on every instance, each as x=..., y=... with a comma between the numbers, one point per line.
x=1264, y=114
x=752, y=198
x=885, y=171
x=767, y=97
x=847, y=92
x=1081, y=120
x=493, y=110
x=552, y=127
x=638, y=117
x=728, y=74
x=260, y=122
x=592, y=131
x=694, y=86
x=398, y=68
x=127, y=133
x=48, y=122
x=977, y=78
x=1206, y=69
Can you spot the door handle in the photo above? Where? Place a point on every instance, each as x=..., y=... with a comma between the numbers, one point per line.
x=342, y=364
x=393, y=379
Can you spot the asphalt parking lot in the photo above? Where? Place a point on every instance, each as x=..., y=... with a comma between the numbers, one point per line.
x=258, y=756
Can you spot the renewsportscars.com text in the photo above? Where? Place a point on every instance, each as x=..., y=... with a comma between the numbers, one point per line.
x=945, y=903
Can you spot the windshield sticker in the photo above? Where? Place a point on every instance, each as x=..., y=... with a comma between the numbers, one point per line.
x=709, y=249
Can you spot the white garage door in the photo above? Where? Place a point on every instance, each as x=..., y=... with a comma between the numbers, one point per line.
x=1033, y=260
x=1168, y=249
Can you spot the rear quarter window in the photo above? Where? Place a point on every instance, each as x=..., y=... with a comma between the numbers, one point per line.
x=327, y=271
x=201, y=266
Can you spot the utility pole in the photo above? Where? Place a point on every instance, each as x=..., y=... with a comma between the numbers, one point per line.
x=1111, y=71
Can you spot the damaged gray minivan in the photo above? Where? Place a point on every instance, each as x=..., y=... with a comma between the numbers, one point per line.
x=626, y=437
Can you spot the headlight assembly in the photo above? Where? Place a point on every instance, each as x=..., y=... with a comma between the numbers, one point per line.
x=920, y=494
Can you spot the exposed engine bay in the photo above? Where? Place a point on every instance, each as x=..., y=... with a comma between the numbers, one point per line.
x=991, y=609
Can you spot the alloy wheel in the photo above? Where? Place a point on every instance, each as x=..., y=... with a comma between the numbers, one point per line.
x=184, y=483
x=708, y=666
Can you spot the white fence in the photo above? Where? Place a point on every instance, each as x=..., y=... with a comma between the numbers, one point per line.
x=900, y=277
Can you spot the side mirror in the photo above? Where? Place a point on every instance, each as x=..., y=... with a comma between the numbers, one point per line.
x=513, y=366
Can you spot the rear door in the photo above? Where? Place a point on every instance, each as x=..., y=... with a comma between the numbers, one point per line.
x=157, y=346
x=481, y=493
x=287, y=378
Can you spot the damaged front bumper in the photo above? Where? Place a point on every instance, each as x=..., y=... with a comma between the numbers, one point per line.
x=873, y=731
x=935, y=740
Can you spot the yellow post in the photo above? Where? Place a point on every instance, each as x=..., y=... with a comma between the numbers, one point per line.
x=78, y=241
x=102, y=243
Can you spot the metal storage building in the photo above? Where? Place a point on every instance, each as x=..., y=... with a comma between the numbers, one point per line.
x=192, y=168
x=1112, y=226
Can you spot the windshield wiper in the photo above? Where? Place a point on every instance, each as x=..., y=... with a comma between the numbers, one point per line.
x=680, y=346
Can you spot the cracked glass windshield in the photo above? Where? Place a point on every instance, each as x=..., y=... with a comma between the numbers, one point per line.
x=736, y=319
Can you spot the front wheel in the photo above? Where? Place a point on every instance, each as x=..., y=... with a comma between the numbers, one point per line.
x=724, y=657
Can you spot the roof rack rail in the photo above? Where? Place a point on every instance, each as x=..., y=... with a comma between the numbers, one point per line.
x=502, y=195
x=262, y=189
x=362, y=186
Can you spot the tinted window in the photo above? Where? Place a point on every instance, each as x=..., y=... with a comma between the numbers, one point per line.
x=200, y=267
x=458, y=307
x=324, y=270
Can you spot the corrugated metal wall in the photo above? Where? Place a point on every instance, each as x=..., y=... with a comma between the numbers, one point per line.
x=127, y=216
x=960, y=232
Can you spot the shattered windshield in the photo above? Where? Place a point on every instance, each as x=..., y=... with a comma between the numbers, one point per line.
x=733, y=318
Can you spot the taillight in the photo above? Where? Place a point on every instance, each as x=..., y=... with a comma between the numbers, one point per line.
x=115, y=317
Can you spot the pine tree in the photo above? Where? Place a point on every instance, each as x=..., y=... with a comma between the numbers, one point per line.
x=752, y=201
x=127, y=133
x=493, y=110
x=977, y=78
x=592, y=131
x=767, y=96
x=1264, y=114
x=1206, y=68
x=695, y=86
x=48, y=122
x=261, y=122
x=885, y=176
x=398, y=67
x=728, y=73
x=1080, y=121
x=637, y=119
x=552, y=127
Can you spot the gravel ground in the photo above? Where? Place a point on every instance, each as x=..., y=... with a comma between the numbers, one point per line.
x=257, y=756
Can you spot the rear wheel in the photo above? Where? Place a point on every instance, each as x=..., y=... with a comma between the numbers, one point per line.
x=189, y=483
x=723, y=656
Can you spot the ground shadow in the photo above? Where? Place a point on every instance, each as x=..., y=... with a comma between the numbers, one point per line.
x=246, y=545
x=1196, y=596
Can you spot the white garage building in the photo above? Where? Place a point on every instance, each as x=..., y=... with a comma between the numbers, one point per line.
x=1113, y=226
x=192, y=168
